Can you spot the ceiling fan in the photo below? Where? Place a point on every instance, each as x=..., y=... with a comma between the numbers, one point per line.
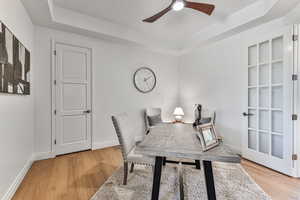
x=178, y=5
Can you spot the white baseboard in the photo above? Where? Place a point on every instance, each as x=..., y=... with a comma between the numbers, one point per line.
x=16, y=183
x=235, y=149
x=105, y=144
x=43, y=155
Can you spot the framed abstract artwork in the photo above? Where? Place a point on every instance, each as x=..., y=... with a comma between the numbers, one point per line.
x=14, y=64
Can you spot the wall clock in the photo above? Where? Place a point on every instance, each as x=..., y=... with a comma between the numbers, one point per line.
x=144, y=79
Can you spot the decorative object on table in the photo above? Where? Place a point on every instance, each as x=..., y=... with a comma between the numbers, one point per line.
x=144, y=79
x=124, y=127
x=178, y=114
x=208, y=137
x=152, y=117
x=14, y=64
x=232, y=182
x=203, y=116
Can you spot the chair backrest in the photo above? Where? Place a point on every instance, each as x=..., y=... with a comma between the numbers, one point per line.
x=125, y=132
x=207, y=113
x=152, y=112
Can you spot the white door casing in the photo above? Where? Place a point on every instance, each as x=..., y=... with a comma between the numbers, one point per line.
x=268, y=139
x=296, y=92
x=72, y=96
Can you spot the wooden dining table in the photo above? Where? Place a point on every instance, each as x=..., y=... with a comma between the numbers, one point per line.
x=178, y=140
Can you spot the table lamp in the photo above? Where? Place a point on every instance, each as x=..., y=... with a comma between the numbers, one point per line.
x=178, y=114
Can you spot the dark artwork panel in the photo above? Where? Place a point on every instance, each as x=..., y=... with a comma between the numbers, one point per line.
x=14, y=64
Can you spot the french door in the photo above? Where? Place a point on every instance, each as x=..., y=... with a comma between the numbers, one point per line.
x=269, y=136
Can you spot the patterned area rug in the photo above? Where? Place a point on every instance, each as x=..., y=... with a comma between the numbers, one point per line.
x=232, y=183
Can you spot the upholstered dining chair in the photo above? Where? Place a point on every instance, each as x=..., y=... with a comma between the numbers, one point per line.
x=209, y=114
x=152, y=117
x=125, y=131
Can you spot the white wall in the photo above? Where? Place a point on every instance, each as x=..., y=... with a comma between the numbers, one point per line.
x=113, y=90
x=216, y=77
x=16, y=112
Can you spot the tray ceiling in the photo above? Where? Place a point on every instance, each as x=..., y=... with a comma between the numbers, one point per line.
x=173, y=26
x=175, y=33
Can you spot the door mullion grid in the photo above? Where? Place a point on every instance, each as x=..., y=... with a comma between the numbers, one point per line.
x=58, y=96
x=257, y=97
x=270, y=96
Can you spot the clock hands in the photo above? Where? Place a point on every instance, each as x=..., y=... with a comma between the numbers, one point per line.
x=146, y=79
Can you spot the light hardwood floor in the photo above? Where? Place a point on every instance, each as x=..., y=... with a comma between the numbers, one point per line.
x=78, y=176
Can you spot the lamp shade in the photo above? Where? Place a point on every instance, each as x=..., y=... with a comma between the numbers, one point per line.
x=178, y=111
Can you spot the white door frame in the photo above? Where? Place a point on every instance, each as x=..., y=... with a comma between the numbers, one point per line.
x=296, y=105
x=295, y=172
x=53, y=91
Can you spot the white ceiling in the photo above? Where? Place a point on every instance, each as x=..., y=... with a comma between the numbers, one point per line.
x=175, y=32
x=173, y=26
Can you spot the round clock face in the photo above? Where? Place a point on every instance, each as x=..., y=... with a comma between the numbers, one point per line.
x=144, y=80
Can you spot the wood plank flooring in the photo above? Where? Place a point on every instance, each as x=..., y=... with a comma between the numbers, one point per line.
x=277, y=185
x=78, y=176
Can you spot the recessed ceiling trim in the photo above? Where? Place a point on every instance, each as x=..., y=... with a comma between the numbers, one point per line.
x=83, y=22
x=249, y=17
x=47, y=13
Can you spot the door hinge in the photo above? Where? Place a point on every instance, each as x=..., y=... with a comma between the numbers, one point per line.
x=55, y=141
x=54, y=52
x=294, y=157
x=294, y=117
x=294, y=77
x=295, y=37
x=54, y=112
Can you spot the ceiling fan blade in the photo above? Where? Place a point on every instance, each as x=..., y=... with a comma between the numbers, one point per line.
x=158, y=15
x=202, y=7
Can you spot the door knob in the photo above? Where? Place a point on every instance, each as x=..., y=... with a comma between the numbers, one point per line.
x=247, y=114
x=87, y=111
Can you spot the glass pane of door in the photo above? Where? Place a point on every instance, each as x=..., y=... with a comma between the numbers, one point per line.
x=277, y=49
x=264, y=142
x=277, y=71
x=264, y=75
x=252, y=55
x=265, y=98
x=264, y=50
x=277, y=146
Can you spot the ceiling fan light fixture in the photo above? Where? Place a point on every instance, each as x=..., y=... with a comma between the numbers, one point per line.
x=178, y=5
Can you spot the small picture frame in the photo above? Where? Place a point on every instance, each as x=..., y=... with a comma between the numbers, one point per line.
x=208, y=137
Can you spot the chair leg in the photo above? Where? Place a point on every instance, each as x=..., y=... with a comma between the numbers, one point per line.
x=131, y=167
x=125, y=173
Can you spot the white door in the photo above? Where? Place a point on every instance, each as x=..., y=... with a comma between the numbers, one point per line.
x=73, y=99
x=269, y=136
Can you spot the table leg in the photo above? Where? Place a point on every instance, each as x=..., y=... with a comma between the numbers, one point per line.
x=181, y=188
x=209, y=180
x=198, y=165
x=156, y=178
x=164, y=161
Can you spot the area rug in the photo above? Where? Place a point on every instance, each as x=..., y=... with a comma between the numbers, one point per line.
x=231, y=182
